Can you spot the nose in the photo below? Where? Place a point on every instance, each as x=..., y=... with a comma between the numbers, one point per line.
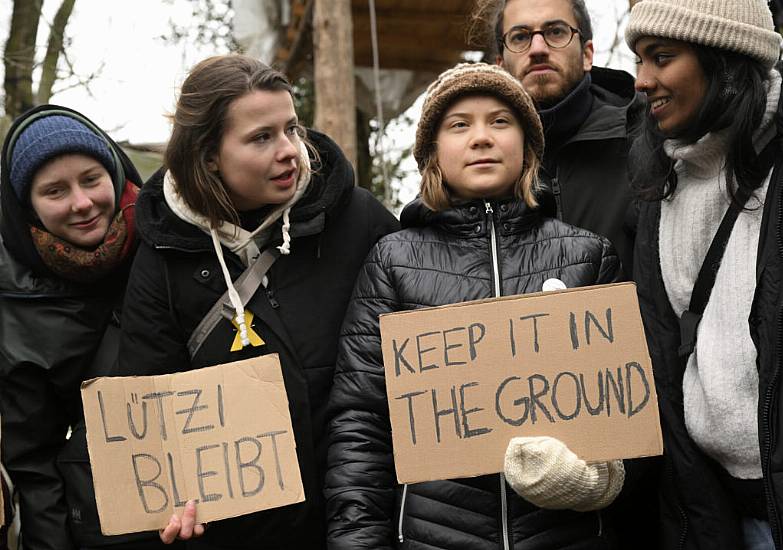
x=81, y=201
x=538, y=46
x=644, y=81
x=289, y=148
x=480, y=137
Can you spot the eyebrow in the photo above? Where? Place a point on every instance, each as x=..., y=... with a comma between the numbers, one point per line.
x=466, y=114
x=268, y=128
x=544, y=24
x=658, y=43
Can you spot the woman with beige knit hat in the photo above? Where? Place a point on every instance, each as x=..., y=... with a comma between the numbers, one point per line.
x=709, y=263
x=480, y=229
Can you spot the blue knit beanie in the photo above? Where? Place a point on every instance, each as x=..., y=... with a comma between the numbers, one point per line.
x=48, y=137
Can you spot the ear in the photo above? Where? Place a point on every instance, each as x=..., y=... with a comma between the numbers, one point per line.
x=587, y=55
x=499, y=61
x=212, y=165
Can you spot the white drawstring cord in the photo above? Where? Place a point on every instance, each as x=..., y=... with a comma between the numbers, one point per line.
x=285, y=248
x=233, y=295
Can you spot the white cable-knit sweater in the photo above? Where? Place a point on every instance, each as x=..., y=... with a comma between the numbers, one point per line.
x=720, y=386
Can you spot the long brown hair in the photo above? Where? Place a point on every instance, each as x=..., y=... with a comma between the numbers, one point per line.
x=199, y=123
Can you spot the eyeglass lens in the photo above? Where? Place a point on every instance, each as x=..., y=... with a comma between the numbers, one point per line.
x=558, y=35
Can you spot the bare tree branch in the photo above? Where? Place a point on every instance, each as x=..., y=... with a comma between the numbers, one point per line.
x=53, y=51
x=19, y=56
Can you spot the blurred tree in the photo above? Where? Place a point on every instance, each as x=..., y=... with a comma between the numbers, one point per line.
x=20, y=63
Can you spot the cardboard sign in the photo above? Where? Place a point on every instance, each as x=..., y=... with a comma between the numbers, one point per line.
x=221, y=435
x=463, y=379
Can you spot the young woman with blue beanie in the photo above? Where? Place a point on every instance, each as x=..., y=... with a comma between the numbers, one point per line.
x=709, y=264
x=68, y=237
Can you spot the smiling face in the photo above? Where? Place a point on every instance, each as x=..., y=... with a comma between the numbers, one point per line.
x=670, y=74
x=480, y=148
x=547, y=74
x=73, y=196
x=258, y=156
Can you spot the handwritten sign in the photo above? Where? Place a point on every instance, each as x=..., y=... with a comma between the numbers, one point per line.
x=462, y=380
x=220, y=435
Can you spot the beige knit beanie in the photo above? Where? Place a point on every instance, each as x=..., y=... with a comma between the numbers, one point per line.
x=468, y=79
x=743, y=26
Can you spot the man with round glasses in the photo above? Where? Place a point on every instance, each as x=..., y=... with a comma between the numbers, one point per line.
x=586, y=112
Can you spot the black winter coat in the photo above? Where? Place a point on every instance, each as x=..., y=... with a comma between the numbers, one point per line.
x=586, y=158
x=697, y=512
x=445, y=258
x=176, y=279
x=54, y=334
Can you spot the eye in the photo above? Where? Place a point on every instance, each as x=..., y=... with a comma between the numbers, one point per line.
x=662, y=58
x=263, y=137
x=502, y=120
x=293, y=130
x=519, y=36
x=458, y=125
x=53, y=192
x=555, y=32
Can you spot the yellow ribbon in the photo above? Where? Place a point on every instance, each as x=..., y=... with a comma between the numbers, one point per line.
x=252, y=335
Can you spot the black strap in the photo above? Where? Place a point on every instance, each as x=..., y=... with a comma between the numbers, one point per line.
x=691, y=317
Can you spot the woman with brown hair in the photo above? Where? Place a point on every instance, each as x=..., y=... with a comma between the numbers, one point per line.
x=243, y=182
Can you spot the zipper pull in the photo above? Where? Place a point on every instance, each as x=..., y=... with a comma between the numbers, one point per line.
x=272, y=300
x=555, y=186
x=489, y=207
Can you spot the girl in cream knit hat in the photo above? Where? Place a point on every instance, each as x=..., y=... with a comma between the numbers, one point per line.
x=705, y=160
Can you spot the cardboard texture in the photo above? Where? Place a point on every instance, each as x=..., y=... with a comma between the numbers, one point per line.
x=221, y=435
x=463, y=379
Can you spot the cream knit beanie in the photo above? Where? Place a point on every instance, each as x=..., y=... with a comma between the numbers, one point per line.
x=743, y=26
x=467, y=79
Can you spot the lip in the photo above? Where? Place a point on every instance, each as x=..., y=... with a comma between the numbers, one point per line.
x=541, y=68
x=285, y=179
x=658, y=104
x=483, y=163
x=87, y=225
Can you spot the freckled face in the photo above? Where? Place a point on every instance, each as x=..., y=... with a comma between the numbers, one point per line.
x=670, y=74
x=480, y=148
x=73, y=196
x=258, y=156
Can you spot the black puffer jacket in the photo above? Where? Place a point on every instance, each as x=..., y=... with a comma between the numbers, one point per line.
x=176, y=279
x=445, y=258
x=697, y=511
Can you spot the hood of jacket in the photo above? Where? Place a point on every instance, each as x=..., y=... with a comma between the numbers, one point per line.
x=329, y=189
x=21, y=269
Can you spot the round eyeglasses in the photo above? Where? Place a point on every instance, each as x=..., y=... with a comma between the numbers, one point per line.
x=557, y=35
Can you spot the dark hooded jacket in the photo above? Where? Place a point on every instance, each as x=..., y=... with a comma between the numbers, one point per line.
x=53, y=335
x=697, y=510
x=445, y=258
x=586, y=158
x=176, y=279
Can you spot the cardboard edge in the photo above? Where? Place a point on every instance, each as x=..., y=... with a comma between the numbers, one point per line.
x=591, y=288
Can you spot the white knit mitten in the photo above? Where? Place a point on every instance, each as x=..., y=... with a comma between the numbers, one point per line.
x=545, y=472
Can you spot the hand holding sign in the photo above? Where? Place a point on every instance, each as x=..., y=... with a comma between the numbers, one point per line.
x=184, y=528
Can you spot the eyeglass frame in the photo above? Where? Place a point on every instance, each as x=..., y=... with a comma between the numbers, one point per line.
x=573, y=30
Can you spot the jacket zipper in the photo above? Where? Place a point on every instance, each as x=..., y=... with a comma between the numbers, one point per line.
x=493, y=249
x=556, y=190
x=770, y=490
x=402, y=513
x=270, y=294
